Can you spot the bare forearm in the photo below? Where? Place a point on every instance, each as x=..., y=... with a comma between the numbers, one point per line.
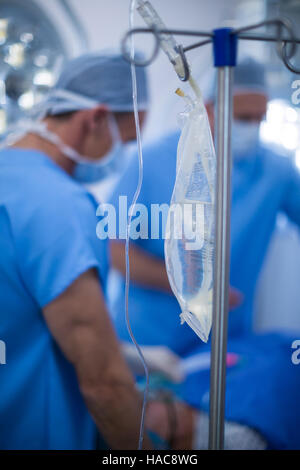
x=116, y=408
x=145, y=270
x=79, y=322
x=110, y=394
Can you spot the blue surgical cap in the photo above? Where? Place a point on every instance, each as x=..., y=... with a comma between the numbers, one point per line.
x=248, y=76
x=92, y=79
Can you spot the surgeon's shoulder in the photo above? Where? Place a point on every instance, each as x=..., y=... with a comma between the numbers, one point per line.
x=160, y=154
x=163, y=146
x=159, y=160
x=59, y=196
x=73, y=196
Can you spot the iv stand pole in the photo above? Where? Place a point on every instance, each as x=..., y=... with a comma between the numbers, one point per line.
x=225, y=52
x=223, y=42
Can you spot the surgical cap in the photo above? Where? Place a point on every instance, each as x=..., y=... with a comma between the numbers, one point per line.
x=92, y=79
x=248, y=76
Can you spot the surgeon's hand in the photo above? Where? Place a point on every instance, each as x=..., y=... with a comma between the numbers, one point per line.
x=180, y=426
x=146, y=269
x=235, y=298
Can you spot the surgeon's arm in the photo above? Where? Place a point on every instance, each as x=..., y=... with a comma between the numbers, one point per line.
x=145, y=269
x=149, y=271
x=79, y=322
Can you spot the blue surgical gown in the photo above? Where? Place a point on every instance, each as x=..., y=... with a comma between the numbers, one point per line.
x=262, y=390
x=48, y=239
x=263, y=185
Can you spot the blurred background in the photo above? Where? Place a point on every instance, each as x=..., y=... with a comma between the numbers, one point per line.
x=36, y=37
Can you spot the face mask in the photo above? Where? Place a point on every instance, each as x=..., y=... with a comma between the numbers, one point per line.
x=93, y=171
x=87, y=170
x=245, y=138
x=40, y=128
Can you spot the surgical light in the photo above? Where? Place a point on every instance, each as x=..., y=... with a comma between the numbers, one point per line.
x=27, y=100
x=297, y=158
x=15, y=56
x=41, y=60
x=2, y=93
x=26, y=38
x=32, y=51
x=281, y=128
x=291, y=114
x=289, y=136
x=3, y=30
x=44, y=78
x=3, y=122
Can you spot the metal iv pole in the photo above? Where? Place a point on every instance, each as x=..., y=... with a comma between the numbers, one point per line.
x=225, y=51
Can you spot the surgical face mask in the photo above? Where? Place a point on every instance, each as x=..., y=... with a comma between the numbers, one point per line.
x=245, y=138
x=87, y=170
x=93, y=171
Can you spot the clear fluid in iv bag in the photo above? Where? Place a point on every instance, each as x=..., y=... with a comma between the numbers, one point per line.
x=189, y=261
x=190, y=267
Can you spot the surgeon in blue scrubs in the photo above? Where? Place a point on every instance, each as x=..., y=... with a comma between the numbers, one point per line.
x=264, y=184
x=64, y=375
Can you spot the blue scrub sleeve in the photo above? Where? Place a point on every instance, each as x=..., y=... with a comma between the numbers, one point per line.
x=291, y=199
x=51, y=270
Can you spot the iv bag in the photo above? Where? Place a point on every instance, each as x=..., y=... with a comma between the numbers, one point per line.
x=189, y=237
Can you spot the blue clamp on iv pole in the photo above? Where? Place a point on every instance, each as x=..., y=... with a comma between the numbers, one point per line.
x=225, y=52
x=225, y=47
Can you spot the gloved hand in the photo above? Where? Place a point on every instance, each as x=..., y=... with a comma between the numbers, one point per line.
x=159, y=359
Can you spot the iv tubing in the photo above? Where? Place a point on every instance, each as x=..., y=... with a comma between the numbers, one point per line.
x=135, y=198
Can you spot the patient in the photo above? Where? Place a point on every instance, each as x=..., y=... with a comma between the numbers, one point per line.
x=262, y=407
